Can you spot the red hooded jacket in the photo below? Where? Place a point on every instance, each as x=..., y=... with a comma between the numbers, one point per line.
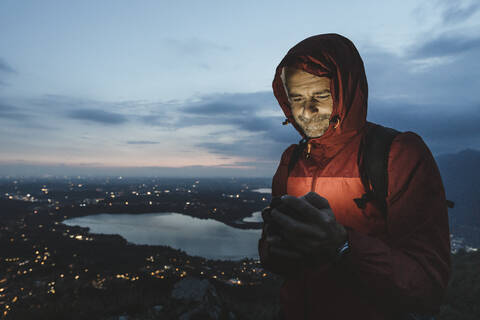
x=397, y=264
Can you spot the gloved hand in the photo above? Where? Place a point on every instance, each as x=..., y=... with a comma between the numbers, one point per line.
x=278, y=245
x=283, y=260
x=309, y=226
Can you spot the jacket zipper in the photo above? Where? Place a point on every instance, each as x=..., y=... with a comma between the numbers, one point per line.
x=312, y=188
x=305, y=280
x=314, y=179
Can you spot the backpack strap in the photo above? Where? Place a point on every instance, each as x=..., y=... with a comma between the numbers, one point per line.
x=373, y=162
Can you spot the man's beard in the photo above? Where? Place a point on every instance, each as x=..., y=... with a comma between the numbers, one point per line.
x=315, y=126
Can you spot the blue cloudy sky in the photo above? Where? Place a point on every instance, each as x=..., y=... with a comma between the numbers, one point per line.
x=184, y=87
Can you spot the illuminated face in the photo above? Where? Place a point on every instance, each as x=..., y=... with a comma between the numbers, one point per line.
x=310, y=100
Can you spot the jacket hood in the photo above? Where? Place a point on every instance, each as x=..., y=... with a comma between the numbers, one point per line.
x=336, y=57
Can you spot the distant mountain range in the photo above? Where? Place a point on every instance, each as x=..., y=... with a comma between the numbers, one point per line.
x=461, y=178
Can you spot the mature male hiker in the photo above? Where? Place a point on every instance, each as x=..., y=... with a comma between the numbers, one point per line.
x=361, y=231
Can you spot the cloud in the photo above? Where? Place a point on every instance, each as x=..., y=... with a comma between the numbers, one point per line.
x=142, y=142
x=237, y=103
x=257, y=111
x=217, y=108
x=265, y=144
x=447, y=44
x=192, y=55
x=428, y=74
x=265, y=150
x=254, y=120
x=446, y=128
x=5, y=67
x=98, y=116
x=64, y=102
x=10, y=112
x=194, y=46
x=21, y=118
x=157, y=120
x=454, y=11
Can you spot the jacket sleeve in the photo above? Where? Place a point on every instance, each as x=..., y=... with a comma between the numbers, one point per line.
x=411, y=270
x=270, y=262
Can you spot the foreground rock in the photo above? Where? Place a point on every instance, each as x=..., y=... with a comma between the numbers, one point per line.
x=196, y=298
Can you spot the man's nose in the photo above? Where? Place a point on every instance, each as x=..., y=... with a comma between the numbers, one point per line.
x=309, y=110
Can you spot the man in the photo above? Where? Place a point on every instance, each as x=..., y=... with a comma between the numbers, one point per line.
x=340, y=261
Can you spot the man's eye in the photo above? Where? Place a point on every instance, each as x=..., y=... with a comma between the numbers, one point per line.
x=323, y=96
x=297, y=99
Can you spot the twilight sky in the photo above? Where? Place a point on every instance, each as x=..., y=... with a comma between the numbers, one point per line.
x=184, y=87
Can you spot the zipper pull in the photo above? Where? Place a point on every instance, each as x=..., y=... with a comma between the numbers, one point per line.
x=309, y=148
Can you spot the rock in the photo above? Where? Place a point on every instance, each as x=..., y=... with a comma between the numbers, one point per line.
x=198, y=299
x=157, y=308
x=191, y=288
x=198, y=312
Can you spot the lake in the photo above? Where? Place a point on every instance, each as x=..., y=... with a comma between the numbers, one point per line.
x=263, y=190
x=255, y=217
x=197, y=237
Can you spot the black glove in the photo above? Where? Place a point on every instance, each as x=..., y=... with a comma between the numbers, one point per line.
x=309, y=225
x=272, y=231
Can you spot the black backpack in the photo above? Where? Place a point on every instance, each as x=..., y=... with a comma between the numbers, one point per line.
x=375, y=152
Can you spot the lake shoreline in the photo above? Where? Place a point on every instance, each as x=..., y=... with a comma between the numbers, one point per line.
x=208, y=238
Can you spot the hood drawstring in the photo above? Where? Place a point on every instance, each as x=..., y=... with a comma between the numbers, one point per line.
x=336, y=119
x=305, y=142
x=309, y=148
